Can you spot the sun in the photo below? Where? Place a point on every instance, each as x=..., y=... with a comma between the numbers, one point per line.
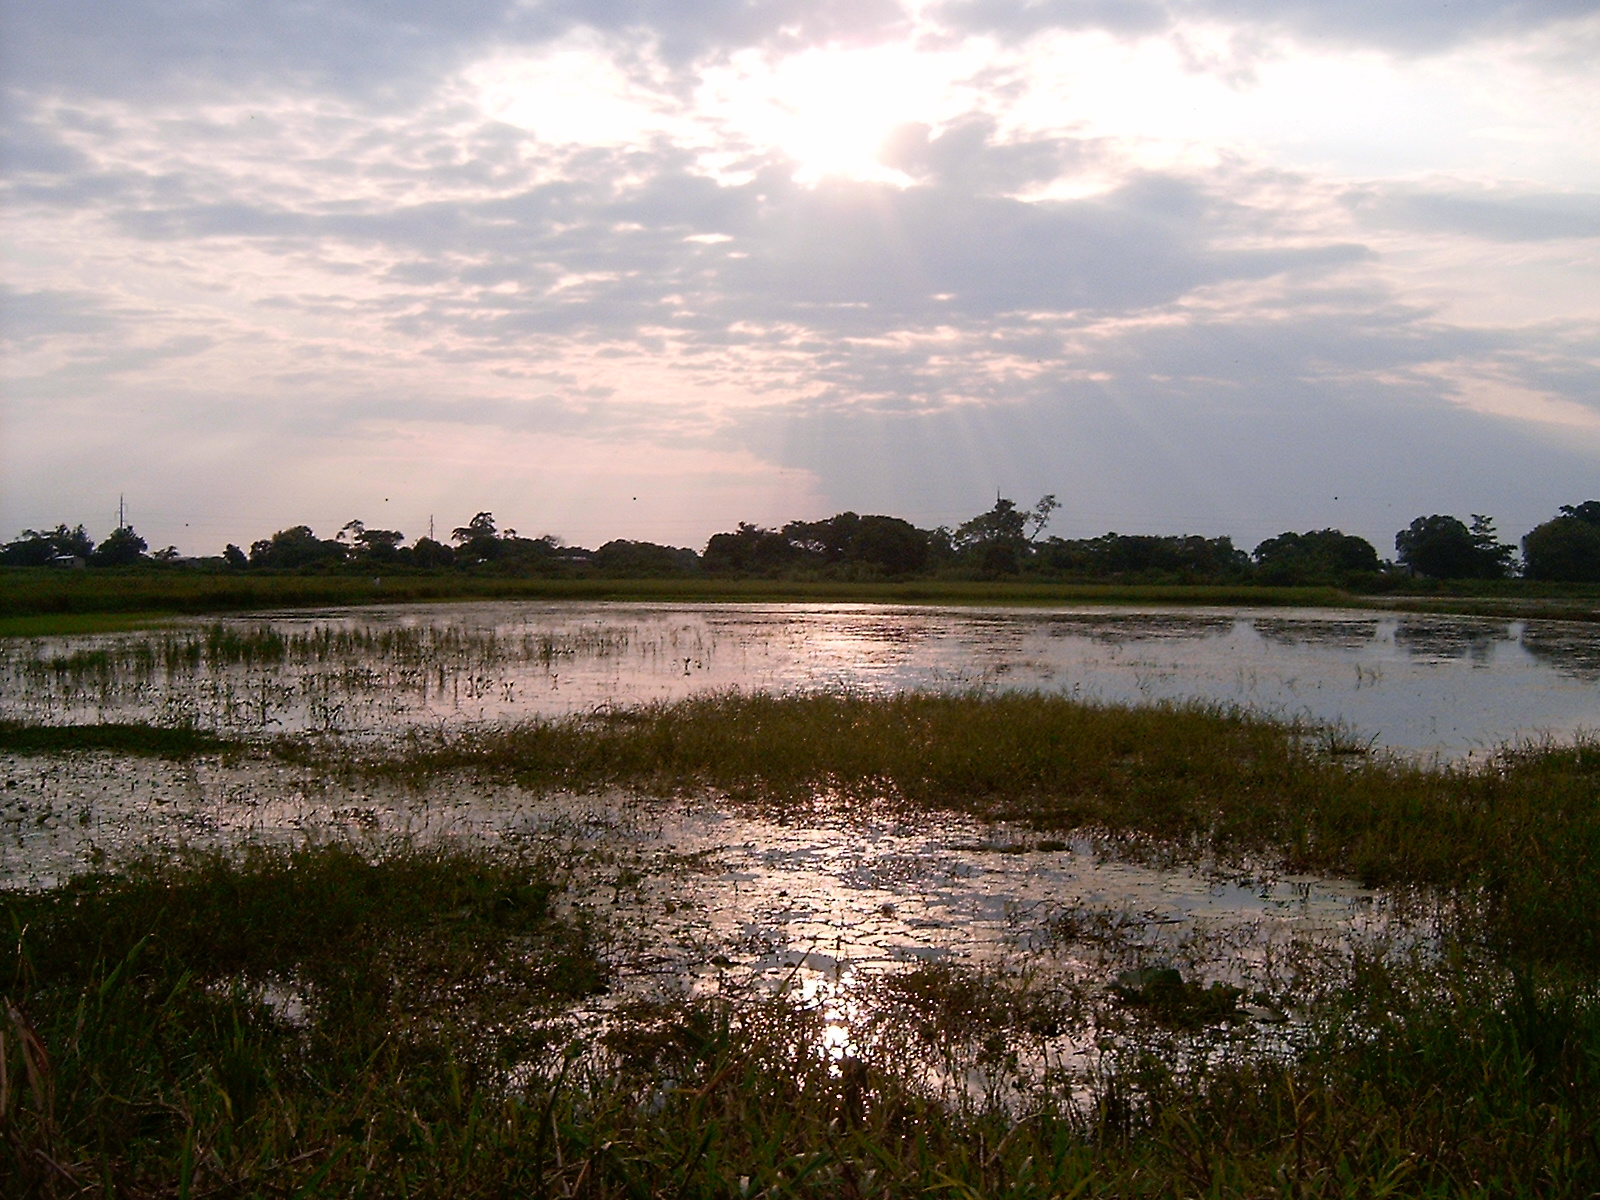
x=830, y=109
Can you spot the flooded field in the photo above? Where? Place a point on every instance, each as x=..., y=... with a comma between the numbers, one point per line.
x=824, y=914
x=1452, y=686
x=702, y=900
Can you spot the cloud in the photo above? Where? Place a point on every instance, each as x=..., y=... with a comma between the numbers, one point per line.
x=1406, y=26
x=1480, y=213
x=327, y=246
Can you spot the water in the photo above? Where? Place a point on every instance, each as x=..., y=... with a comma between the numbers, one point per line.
x=694, y=898
x=1432, y=685
x=844, y=903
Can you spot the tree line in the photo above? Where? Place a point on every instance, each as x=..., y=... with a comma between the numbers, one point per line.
x=1007, y=541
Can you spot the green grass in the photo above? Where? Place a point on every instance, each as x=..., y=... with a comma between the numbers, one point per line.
x=156, y=741
x=38, y=601
x=61, y=624
x=1513, y=846
x=144, y=1056
x=143, y=1059
x=1516, y=844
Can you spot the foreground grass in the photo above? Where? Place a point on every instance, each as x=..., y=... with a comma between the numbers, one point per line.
x=142, y=1058
x=143, y=1053
x=148, y=1050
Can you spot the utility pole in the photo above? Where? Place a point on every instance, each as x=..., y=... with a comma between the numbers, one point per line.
x=121, y=512
x=430, y=527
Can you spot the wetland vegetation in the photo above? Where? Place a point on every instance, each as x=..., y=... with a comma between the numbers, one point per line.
x=662, y=901
x=399, y=1020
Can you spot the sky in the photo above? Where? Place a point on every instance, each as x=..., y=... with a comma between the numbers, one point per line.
x=645, y=269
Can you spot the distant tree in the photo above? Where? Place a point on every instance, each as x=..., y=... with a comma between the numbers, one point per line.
x=35, y=548
x=121, y=547
x=235, y=557
x=481, y=526
x=478, y=540
x=1151, y=557
x=167, y=554
x=428, y=553
x=886, y=545
x=294, y=547
x=1040, y=516
x=749, y=550
x=1318, y=556
x=996, y=541
x=632, y=559
x=1566, y=549
x=1442, y=547
x=379, y=545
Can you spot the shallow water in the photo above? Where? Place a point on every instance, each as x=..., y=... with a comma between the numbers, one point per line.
x=1445, y=685
x=700, y=898
x=835, y=904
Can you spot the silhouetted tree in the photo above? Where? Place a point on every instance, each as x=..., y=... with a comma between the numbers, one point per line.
x=428, y=553
x=1149, y=557
x=1318, y=556
x=997, y=541
x=478, y=540
x=1566, y=549
x=749, y=549
x=121, y=547
x=631, y=559
x=235, y=557
x=379, y=545
x=35, y=548
x=294, y=547
x=1442, y=547
x=880, y=544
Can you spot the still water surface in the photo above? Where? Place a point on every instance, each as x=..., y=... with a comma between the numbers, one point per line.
x=692, y=896
x=1446, y=685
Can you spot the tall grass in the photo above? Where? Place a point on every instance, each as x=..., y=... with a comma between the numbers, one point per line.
x=244, y=1017
x=147, y=1054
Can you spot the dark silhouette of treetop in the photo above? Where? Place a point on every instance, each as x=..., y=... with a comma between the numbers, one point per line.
x=1566, y=549
x=122, y=547
x=1442, y=547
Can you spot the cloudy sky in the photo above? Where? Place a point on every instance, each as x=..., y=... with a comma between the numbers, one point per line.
x=646, y=268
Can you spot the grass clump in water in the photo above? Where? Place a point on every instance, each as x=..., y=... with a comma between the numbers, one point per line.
x=159, y=741
x=1514, y=846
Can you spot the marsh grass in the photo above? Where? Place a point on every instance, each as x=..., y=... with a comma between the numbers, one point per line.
x=1514, y=845
x=157, y=741
x=242, y=1017
x=149, y=1052
x=321, y=1023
